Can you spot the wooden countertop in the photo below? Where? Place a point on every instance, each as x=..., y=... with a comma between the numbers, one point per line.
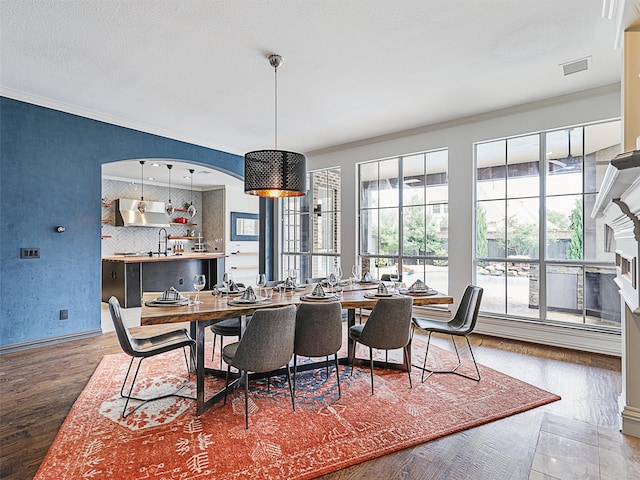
x=162, y=258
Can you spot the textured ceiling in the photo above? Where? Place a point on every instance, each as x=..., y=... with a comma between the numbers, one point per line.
x=196, y=70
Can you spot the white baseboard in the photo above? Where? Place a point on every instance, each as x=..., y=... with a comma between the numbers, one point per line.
x=607, y=343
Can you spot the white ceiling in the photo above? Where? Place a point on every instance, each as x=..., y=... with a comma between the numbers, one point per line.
x=196, y=70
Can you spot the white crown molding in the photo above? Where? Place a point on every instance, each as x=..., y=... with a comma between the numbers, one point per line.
x=111, y=119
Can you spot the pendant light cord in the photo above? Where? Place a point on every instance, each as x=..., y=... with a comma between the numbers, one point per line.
x=275, y=96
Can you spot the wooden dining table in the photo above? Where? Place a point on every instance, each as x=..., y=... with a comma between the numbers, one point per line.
x=216, y=308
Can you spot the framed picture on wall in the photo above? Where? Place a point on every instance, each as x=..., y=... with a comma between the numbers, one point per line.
x=245, y=226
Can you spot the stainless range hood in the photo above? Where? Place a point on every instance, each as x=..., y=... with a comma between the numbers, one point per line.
x=127, y=214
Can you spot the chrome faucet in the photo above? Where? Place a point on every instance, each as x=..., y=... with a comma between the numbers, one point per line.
x=166, y=239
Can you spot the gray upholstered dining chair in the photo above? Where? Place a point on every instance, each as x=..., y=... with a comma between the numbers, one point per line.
x=388, y=328
x=142, y=348
x=461, y=325
x=267, y=344
x=318, y=334
x=230, y=327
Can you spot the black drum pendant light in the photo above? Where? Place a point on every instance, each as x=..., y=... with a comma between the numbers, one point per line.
x=142, y=206
x=275, y=173
x=169, y=208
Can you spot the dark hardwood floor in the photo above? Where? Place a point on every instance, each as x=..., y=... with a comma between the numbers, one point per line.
x=39, y=386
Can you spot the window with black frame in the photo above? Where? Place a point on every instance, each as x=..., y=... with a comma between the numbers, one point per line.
x=539, y=254
x=404, y=219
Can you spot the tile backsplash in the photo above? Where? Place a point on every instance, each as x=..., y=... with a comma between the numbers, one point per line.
x=145, y=239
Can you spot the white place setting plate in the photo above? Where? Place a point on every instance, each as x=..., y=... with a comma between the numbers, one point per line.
x=378, y=295
x=426, y=293
x=319, y=298
x=258, y=300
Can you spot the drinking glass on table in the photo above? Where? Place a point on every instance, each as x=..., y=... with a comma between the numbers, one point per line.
x=394, y=276
x=227, y=278
x=261, y=282
x=293, y=273
x=199, y=281
x=333, y=280
x=355, y=273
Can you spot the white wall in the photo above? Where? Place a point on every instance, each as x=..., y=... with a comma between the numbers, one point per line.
x=459, y=137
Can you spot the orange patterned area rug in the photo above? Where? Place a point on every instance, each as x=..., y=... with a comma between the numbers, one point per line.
x=166, y=440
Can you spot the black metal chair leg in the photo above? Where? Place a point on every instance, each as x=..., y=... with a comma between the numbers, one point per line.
x=295, y=372
x=426, y=354
x=226, y=385
x=246, y=400
x=293, y=399
x=371, y=362
x=338, y=375
x=408, y=365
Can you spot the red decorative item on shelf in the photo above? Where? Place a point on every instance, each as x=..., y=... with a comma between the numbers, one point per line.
x=181, y=220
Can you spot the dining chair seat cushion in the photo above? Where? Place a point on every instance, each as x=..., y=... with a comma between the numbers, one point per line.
x=227, y=328
x=355, y=331
x=436, y=326
x=229, y=351
x=165, y=342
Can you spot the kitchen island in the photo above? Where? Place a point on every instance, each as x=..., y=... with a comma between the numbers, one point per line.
x=127, y=276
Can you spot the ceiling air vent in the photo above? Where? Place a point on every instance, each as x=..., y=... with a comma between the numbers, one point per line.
x=575, y=66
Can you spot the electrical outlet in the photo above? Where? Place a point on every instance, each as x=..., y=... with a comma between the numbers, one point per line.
x=29, y=253
x=64, y=314
x=181, y=282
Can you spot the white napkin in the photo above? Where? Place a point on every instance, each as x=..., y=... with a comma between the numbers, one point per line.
x=382, y=289
x=367, y=277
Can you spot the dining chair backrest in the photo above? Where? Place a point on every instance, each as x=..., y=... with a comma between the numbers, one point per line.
x=389, y=325
x=124, y=337
x=318, y=329
x=467, y=313
x=267, y=343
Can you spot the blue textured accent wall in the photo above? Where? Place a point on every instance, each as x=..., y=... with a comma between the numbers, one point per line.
x=50, y=174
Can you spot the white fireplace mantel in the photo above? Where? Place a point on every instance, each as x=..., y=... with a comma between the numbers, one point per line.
x=619, y=204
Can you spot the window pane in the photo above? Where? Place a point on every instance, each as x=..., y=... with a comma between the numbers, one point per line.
x=490, y=219
x=414, y=180
x=491, y=170
x=388, y=183
x=368, y=174
x=323, y=265
x=522, y=289
x=565, y=286
x=564, y=161
x=389, y=232
x=492, y=279
x=602, y=301
x=522, y=228
x=564, y=227
x=435, y=273
x=601, y=144
x=523, y=166
x=437, y=177
x=369, y=232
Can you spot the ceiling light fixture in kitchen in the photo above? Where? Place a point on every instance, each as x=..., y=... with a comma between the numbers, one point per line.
x=169, y=206
x=142, y=207
x=191, y=210
x=275, y=173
